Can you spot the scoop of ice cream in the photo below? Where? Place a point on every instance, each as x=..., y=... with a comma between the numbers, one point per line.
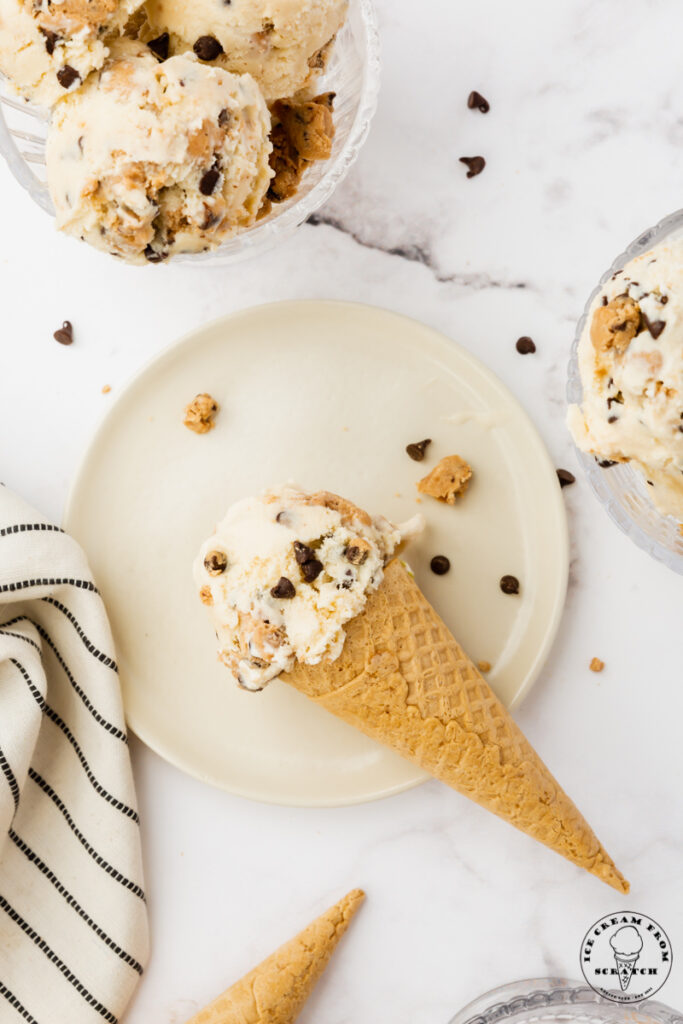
x=149, y=159
x=285, y=571
x=282, y=43
x=48, y=49
x=626, y=941
x=631, y=365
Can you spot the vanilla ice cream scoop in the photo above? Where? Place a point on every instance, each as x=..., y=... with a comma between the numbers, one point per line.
x=631, y=365
x=47, y=49
x=626, y=941
x=151, y=159
x=282, y=43
x=283, y=573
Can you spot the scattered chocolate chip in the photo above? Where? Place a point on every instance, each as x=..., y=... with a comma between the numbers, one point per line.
x=475, y=165
x=207, y=48
x=302, y=552
x=475, y=101
x=65, y=334
x=509, y=584
x=283, y=589
x=224, y=118
x=66, y=76
x=655, y=327
x=311, y=569
x=418, y=449
x=216, y=562
x=208, y=181
x=605, y=463
x=50, y=40
x=565, y=477
x=525, y=345
x=440, y=565
x=159, y=46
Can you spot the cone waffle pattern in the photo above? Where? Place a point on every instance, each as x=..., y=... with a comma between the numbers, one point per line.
x=276, y=990
x=404, y=680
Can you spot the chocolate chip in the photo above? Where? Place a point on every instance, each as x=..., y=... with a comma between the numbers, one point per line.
x=66, y=76
x=302, y=552
x=664, y=299
x=509, y=584
x=565, y=477
x=311, y=569
x=153, y=256
x=525, y=345
x=356, y=555
x=283, y=589
x=216, y=562
x=418, y=448
x=604, y=300
x=605, y=463
x=439, y=563
x=159, y=46
x=475, y=101
x=224, y=118
x=475, y=165
x=284, y=518
x=655, y=327
x=612, y=419
x=50, y=40
x=208, y=181
x=207, y=48
x=65, y=334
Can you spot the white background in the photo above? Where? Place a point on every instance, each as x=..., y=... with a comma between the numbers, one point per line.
x=583, y=144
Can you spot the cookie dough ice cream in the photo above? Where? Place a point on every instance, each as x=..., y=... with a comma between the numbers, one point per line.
x=149, y=159
x=47, y=49
x=284, y=572
x=631, y=364
x=282, y=43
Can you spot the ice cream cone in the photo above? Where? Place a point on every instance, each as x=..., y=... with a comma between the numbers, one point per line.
x=625, y=967
x=403, y=680
x=276, y=990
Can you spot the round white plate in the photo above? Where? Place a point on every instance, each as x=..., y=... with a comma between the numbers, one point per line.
x=327, y=394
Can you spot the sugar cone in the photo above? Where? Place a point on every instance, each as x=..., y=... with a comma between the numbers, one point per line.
x=404, y=680
x=276, y=990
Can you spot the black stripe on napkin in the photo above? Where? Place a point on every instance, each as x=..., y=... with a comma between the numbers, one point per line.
x=11, y=778
x=7, y=531
x=51, y=581
x=15, y=1004
x=90, y=647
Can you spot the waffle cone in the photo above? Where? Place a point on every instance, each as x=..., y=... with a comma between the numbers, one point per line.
x=276, y=990
x=404, y=680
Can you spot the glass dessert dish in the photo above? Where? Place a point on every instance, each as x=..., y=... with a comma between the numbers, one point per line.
x=353, y=74
x=621, y=488
x=559, y=1001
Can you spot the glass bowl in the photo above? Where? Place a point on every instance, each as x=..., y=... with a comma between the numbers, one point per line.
x=559, y=1001
x=353, y=73
x=621, y=489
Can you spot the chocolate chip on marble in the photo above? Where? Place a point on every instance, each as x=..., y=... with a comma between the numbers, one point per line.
x=216, y=562
x=66, y=76
x=208, y=181
x=284, y=589
x=475, y=101
x=311, y=569
x=475, y=165
x=525, y=345
x=440, y=565
x=65, y=334
x=418, y=448
x=159, y=46
x=565, y=477
x=509, y=584
x=207, y=48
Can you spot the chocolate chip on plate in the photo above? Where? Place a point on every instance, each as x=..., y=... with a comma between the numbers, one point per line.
x=418, y=448
x=440, y=565
x=311, y=569
x=207, y=48
x=65, y=334
x=159, y=46
x=565, y=477
x=283, y=589
x=216, y=562
x=525, y=345
x=208, y=181
x=66, y=76
x=475, y=101
x=475, y=165
x=509, y=584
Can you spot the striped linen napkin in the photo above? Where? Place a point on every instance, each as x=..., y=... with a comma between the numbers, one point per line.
x=73, y=918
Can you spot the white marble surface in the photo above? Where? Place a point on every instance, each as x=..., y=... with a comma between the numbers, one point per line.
x=583, y=144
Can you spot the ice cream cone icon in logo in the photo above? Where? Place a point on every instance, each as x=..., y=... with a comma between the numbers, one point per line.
x=627, y=945
x=626, y=957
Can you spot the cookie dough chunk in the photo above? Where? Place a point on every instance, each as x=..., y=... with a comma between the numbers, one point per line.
x=47, y=49
x=448, y=480
x=200, y=413
x=302, y=134
x=151, y=159
x=615, y=325
x=284, y=44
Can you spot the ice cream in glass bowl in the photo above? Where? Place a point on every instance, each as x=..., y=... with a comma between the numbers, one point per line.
x=625, y=391
x=119, y=132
